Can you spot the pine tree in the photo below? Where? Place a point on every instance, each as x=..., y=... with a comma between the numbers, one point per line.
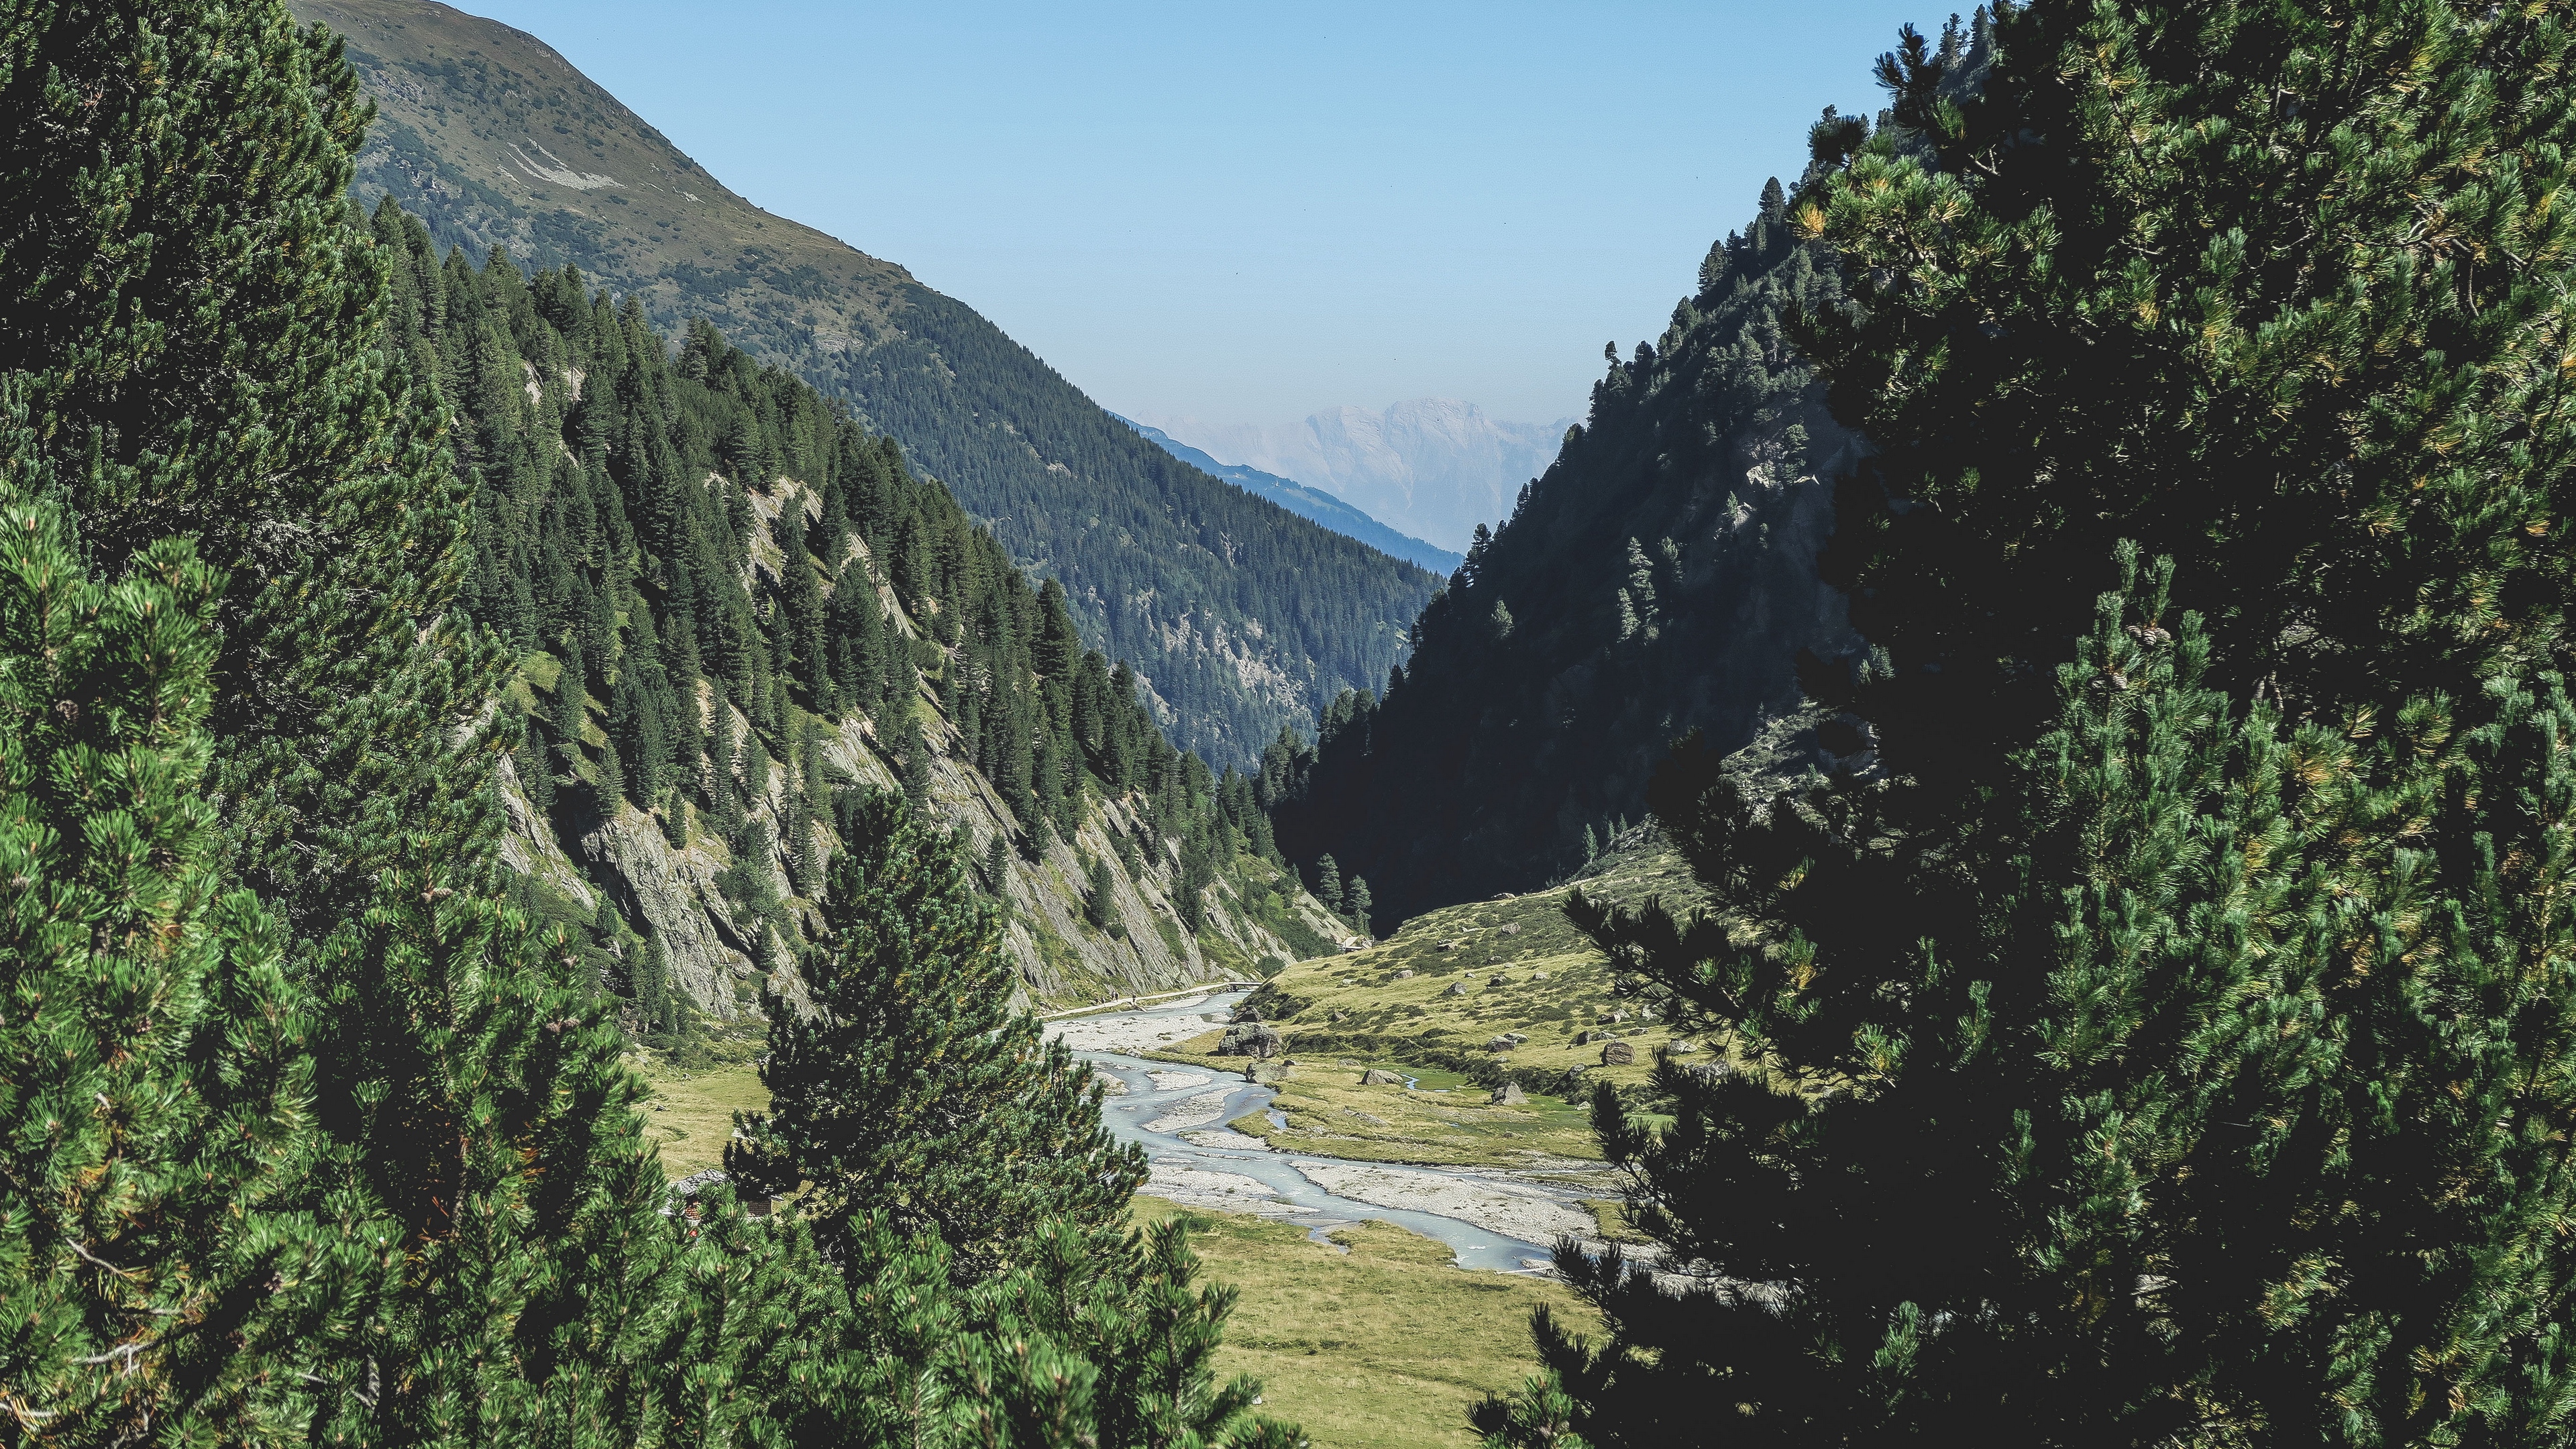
x=1328, y=884
x=912, y=1089
x=2110, y=1085
x=156, y=1272
x=198, y=330
x=1158, y=1381
x=1359, y=903
x=2158, y=1047
x=997, y=865
x=1099, y=906
x=197, y=327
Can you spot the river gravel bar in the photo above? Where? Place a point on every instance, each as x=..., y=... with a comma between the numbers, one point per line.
x=1198, y=1111
x=1498, y=1205
x=1131, y=1033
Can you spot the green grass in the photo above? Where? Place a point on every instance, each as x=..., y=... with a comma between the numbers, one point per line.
x=1380, y=1347
x=1342, y=1014
x=1444, y=1119
x=690, y=1112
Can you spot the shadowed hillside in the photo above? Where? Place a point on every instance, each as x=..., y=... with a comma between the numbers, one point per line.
x=1238, y=615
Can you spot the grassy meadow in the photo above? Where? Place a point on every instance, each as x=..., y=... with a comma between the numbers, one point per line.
x=1376, y=1343
x=1431, y=999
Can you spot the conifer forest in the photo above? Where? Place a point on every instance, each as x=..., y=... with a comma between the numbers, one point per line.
x=603, y=848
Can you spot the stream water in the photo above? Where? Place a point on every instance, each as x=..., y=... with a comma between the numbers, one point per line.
x=1178, y=1115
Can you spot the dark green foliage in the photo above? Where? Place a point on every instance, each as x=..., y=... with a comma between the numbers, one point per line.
x=195, y=331
x=1159, y=1373
x=153, y=1071
x=201, y=343
x=906, y=1085
x=615, y=529
x=2172, y=1044
x=352, y=1157
x=1658, y=578
x=997, y=865
x=1328, y=882
x=1140, y=540
x=2209, y=320
x=1165, y=566
x=504, y=1144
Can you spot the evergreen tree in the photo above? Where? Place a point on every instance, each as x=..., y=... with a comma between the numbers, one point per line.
x=997, y=865
x=1328, y=884
x=1359, y=901
x=1099, y=906
x=199, y=340
x=910, y=1088
x=197, y=331
x=156, y=1273
x=1159, y=1373
x=2157, y=1047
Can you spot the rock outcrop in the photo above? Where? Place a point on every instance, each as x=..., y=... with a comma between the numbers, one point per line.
x=1255, y=1040
x=669, y=893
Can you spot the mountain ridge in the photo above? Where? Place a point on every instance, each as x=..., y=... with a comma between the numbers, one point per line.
x=1431, y=467
x=1661, y=576
x=1306, y=501
x=1238, y=615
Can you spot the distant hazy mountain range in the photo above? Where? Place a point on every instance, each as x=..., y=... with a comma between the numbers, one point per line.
x=1434, y=467
x=1240, y=615
x=1308, y=503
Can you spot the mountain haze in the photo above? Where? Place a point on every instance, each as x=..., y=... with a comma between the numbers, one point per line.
x=1431, y=467
x=1308, y=503
x=1239, y=616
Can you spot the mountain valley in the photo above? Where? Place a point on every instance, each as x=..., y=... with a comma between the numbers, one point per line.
x=622, y=827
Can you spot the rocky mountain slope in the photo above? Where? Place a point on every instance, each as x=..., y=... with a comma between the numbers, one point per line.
x=1239, y=616
x=1431, y=467
x=736, y=610
x=1661, y=576
x=668, y=897
x=1308, y=503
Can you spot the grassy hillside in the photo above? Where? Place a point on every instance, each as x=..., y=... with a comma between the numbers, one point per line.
x=1240, y=615
x=1430, y=1002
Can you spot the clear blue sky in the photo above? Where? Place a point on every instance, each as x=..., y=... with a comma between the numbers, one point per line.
x=1242, y=212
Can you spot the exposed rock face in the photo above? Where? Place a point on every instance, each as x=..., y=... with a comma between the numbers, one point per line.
x=674, y=892
x=1381, y=1077
x=1509, y=1094
x=668, y=893
x=1617, y=1054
